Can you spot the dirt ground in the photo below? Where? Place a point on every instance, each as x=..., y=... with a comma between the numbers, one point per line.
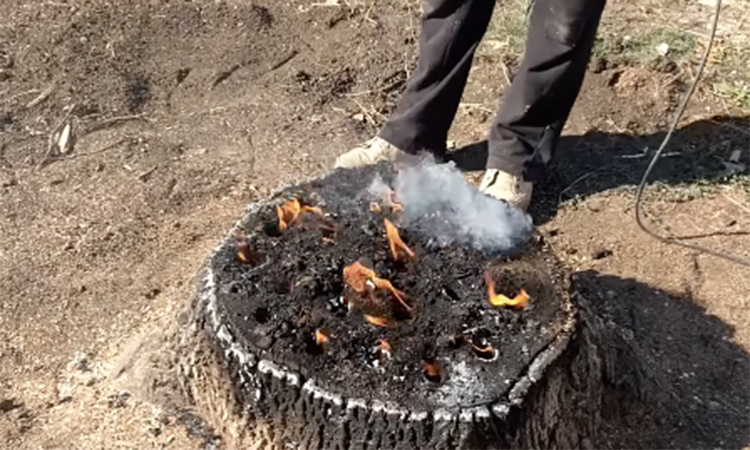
x=184, y=112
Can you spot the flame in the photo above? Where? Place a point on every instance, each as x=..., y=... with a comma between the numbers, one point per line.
x=375, y=208
x=385, y=349
x=357, y=275
x=395, y=242
x=322, y=336
x=519, y=301
x=377, y=320
x=432, y=370
x=289, y=212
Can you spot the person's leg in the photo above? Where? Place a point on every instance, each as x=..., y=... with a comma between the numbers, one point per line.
x=536, y=105
x=451, y=31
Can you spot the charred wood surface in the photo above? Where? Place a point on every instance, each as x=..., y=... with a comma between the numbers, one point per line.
x=551, y=401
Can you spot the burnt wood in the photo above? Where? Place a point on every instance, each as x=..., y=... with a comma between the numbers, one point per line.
x=542, y=389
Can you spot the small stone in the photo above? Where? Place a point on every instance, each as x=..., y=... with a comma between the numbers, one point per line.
x=9, y=405
x=662, y=49
x=82, y=363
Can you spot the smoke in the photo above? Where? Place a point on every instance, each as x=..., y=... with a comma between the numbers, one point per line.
x=441, y=204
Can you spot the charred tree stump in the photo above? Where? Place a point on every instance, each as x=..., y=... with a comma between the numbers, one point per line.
x=541, y=388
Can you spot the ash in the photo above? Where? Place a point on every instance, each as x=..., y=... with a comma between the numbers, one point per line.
x=460, y=388
x=441, y=204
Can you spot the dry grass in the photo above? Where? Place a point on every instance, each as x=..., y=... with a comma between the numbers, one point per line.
x=633, y=35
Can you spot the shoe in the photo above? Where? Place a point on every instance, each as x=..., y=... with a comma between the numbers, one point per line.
x=371, y=152
x=504, y=186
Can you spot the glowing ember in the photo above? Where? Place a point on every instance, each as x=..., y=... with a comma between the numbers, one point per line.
x=377, y=320
x=244, y=253
x=322, y=336
x=357, y=277
x=519, y=301
x=432, y=370
x=486, y=352
x=395, y=242
x=289, y=212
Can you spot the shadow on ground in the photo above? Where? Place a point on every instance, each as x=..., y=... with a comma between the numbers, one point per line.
x=598, y=161
x=692, y=378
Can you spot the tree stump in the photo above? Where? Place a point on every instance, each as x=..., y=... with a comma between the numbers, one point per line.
x=324, y=361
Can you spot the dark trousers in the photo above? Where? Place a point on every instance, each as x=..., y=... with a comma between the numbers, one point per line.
x=534, y=107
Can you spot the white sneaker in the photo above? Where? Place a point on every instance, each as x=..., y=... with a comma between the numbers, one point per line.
x=371, y=152
x=504, y=186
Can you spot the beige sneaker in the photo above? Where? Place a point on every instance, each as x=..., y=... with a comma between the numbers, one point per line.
x=371, y=152
x=504, y=186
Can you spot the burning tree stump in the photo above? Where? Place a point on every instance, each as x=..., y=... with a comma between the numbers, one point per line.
x=369, y=310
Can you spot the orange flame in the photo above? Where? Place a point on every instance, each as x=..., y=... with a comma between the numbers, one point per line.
x=357, y=276
x=519, y=301
x=322, y=338
x=395, y=242
x=377, y=320
x=289, y=212
x=385, y=346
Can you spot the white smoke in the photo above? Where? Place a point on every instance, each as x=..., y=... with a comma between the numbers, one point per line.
x=439, y=202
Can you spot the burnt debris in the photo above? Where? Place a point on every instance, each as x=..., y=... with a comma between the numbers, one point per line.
x=360, y=293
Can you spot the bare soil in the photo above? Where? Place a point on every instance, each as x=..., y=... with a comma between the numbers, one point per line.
x=184, y=112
